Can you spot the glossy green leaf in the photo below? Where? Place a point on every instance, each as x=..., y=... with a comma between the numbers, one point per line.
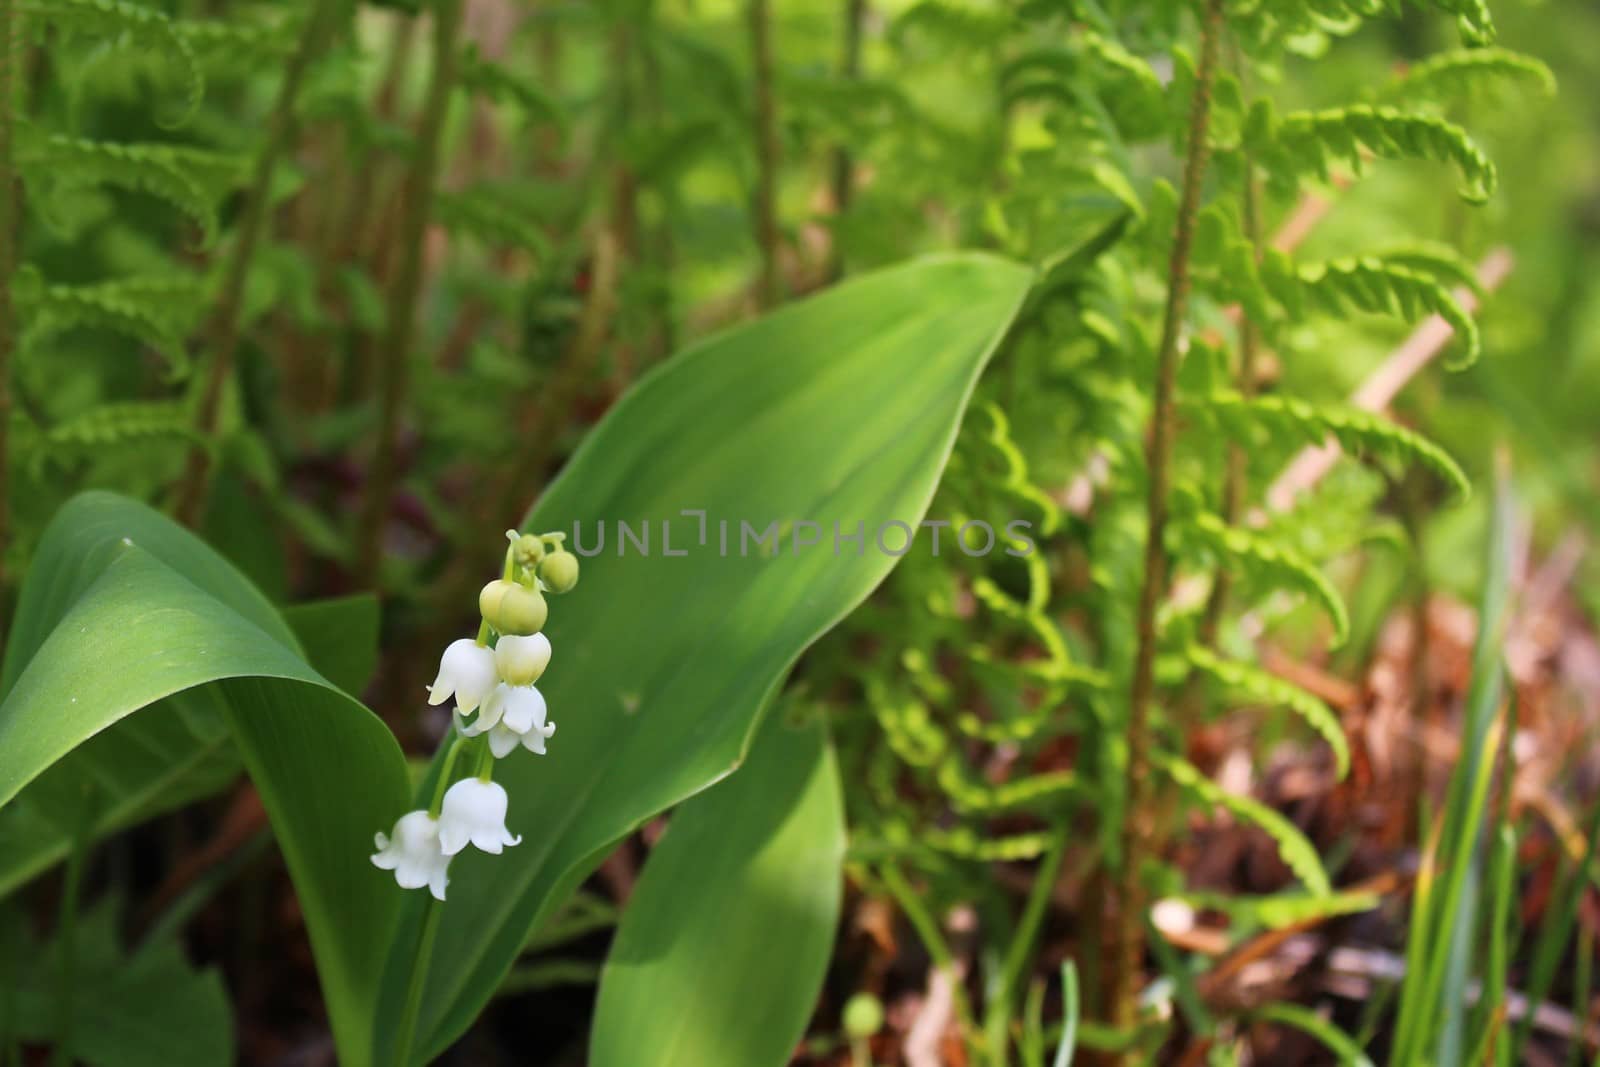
x=175, y=751
x=121, y=610
x=840, y=408
x=748, y=873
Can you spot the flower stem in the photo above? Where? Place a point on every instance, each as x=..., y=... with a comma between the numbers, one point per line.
x=394, y=359
x=1138, y=817
x=67, y=944
x=419, y=971
x=457, y=742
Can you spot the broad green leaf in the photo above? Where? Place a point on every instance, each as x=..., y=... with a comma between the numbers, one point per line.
x=840, y=408
x=176, y=751
x=121, y=610
x=748, y=873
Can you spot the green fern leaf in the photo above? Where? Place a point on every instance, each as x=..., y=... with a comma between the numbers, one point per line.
x=1356, y=431
x=1381, y=287
x=1471, y=72
x=106, y=20
x=479, y=214
x=1199, y=533
x=158, y=312
x=502, y=85
x=1259, y=685
x=1308, y=140
x=1297, y=852
x=189, y=179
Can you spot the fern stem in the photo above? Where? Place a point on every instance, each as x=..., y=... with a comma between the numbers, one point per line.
x=768, y=287
x=8, y=255
x=1233, y=479
x=224, y=327
x=1137, y=825
x=394, y=353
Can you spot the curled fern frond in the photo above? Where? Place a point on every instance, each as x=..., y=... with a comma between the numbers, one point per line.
x=109, y=20
x=1471, y=72
x=158, y=312
x=218, y=41
x=186, y=178
x=1380, y=287
x=1256, y=558
x=1298, y=853
x=1258, y=685
x=1356, y=431
x=1308, y=140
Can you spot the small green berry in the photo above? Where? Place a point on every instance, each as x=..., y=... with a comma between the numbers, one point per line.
x=559, y=571
x=863, y=1016
x=512, y=609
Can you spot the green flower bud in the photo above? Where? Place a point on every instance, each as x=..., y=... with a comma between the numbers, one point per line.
x=512, y=609
x=526, y=549
x=863, y=1016
x=559, y=571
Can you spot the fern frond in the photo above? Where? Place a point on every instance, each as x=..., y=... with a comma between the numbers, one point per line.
x=105, y=20
x=1376, y=286
x=1304, y=141
x=1471, y=72
x=158, y=312
x=1356, y=431
x=952, y=23
x=1257, y=558
x=1259, y=685
x=117, y=424
x=502, y=85
x=1297, y=852
x=226, y=41
x=478, y=213
x=186, y=178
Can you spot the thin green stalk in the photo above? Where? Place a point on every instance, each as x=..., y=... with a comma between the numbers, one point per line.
x=394, y=352
x=423, y=954
x=932, y=939
x=66, y=944
x=1234, y=478
x=769, y=284
x=224, y=326
x=1137, y=829
x=997, y=1013
x=8, y=255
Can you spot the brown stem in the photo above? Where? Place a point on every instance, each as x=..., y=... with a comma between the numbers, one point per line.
x=8, y=255
x=768, y=290
x=230, y=302
x=394, y=353
x=1137, y=826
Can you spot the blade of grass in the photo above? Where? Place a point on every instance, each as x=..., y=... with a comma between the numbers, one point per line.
x=1434, y=982
x=1069, y=1011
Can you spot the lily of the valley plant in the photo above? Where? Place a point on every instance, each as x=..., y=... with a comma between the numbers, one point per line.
x=492, y=680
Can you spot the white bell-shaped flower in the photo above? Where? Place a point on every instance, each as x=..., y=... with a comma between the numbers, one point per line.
x=474, y=812
x=414, y=853
x=521, y=660
x=467, y=672
x=511, y=716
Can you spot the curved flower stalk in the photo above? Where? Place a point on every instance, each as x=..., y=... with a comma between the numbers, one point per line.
x=491, y=677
